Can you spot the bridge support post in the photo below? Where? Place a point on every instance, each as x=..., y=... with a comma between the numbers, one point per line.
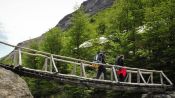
x=82, y=70
x=152, y=78
x=161, y=78
x=20, y=57
x=112, y=75
x=138, y=77
x=50, y=66
x=115, y=75
x=129, y=77
x=53, y=62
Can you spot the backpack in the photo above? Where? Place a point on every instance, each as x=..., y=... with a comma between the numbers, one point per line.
x=100, y=57
x=122, y=71
x=96, y=57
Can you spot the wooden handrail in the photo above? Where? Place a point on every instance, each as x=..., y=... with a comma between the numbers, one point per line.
x=74, y=59
x=83, y=63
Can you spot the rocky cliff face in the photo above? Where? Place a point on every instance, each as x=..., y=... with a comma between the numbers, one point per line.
x=12, y=86
x=90, y=7
x=93, y=6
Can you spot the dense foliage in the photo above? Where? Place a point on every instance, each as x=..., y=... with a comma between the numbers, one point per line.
x=142, y=30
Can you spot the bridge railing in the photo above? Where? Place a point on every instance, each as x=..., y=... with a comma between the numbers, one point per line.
x=135, y=76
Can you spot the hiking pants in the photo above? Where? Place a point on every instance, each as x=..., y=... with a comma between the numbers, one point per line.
x=101, y=69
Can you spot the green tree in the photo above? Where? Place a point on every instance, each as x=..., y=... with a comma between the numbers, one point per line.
x=159, y=35
x=52, y=41
x=79, y=33
x=32, y=61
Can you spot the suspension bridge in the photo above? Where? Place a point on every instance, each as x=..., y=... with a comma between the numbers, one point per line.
x=137, y=80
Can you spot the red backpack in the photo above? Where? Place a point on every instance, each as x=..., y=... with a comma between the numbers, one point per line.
x=122, y=71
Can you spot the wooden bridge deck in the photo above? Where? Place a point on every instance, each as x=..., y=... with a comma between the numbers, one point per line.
x=88, y=82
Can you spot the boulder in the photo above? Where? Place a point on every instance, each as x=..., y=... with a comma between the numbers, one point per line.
x=12, y=85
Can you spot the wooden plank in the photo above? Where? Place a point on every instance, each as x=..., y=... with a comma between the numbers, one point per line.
x=129, y=77
x=152, y=81
x=84, y=71
x=50, y=66
x=36, y=54
x=81, y=71
x=112, y=75
x=143, y=72
x=65, y=61
x=53, y=62
x=138, y=77
x=115, y=75
x=141, y=84
x=37, y=70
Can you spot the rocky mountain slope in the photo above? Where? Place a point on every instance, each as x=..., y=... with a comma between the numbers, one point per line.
x=12, y=86
x=91, y=7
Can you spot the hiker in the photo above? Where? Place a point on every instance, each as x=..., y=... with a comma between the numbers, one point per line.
x=101, y=68
x=120, y=60
x=96, y=57
x=122, y=71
